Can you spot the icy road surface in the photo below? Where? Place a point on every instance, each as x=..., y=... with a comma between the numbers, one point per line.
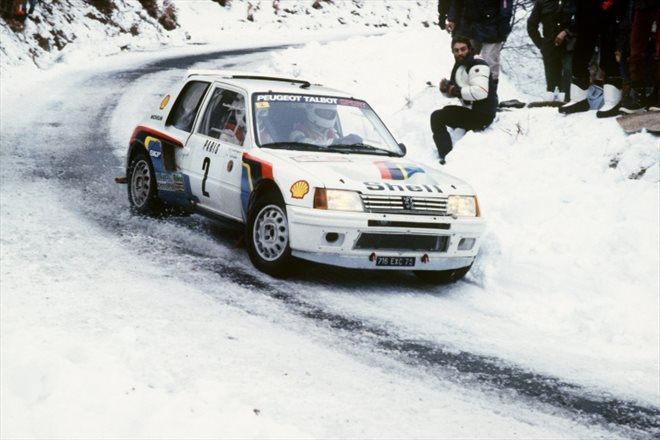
x=116, y=325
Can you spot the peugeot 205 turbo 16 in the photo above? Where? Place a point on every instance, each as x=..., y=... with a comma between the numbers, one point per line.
x=311, y=172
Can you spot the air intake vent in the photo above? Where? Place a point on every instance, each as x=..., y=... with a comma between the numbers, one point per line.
x=402, y=242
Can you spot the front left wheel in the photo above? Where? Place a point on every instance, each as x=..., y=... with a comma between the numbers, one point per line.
x=268, y=236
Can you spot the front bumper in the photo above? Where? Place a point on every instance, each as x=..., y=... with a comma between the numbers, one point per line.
x=339, y=238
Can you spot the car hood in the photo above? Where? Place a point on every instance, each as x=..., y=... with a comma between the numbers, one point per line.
x=371, y=174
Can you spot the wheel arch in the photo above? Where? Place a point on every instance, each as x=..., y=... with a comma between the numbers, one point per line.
x=135, y=147
x=264, y=188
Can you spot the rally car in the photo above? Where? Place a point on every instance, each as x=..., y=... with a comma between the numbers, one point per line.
x=311, y=172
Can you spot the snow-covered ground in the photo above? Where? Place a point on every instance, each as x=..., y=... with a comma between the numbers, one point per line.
x=98, y=340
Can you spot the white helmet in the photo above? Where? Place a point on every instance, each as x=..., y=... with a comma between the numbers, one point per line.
x=322, y=116
x=238, y=107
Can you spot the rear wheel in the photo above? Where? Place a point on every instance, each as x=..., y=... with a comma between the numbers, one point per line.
x=142, y=188
x=442, y=276
x=268, y=236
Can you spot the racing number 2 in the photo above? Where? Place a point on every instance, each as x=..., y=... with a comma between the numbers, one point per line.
x=206, y=164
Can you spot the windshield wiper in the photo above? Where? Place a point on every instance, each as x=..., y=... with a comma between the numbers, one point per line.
x=360, y=147
x=302, y=146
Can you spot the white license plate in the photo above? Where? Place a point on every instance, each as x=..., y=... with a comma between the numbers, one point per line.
x=395, y=261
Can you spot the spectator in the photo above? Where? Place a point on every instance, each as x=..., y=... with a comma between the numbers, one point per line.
x=557, y=17
x=471, y=81
x=487, y=23
x=597, y=25
x=443, y=8
x=645, y=14
x=25, y=9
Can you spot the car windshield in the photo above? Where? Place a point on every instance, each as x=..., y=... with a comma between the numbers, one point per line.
x=320, y=123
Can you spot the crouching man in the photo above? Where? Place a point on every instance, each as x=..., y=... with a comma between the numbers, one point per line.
x=471, y=82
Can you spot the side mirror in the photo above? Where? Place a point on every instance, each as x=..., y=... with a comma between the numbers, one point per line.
x=404, y=150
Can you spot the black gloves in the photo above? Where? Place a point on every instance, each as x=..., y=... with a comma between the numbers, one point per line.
x=444, y=85
x=449, y=88
x=454, y=90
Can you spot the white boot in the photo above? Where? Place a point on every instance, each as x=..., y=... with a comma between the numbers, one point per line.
x=612, y=98
x=578, y=102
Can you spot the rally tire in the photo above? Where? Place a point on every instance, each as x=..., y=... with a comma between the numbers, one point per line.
x=267, y=232
x=142, y=186
x=442, y=276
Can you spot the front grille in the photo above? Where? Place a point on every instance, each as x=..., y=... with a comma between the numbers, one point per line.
x=402, y=242
x=405, y=204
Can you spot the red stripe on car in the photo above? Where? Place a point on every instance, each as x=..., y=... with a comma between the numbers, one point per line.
x=155, y=133
x=266, y=168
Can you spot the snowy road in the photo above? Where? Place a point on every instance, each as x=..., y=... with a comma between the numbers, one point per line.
x=71, y=142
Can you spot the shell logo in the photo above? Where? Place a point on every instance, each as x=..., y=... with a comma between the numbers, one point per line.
x=164, y=102
x=299, y=189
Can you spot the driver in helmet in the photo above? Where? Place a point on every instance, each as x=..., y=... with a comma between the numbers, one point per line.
x=235, y=127
x=319, y=126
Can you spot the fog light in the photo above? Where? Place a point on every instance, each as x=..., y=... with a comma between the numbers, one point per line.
x=466, y=244
x=372, y=257
x=425, y=258
x=331, y=237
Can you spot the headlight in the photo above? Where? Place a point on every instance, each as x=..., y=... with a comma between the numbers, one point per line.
x=463, y=206
x=337, y=199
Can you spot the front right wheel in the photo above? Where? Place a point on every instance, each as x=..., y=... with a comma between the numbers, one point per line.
x=268, y=236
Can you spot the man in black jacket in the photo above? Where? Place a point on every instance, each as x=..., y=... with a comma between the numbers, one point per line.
x=471, y=82
x=557, y=17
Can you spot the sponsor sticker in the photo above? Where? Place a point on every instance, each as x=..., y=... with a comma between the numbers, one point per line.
x=393, y=171
x=299, y=189
x=262, y=104
x=296, y=98
x=170, y=182
x=353, y=103
x=392, y=187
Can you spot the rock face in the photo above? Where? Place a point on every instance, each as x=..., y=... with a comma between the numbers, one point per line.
x=58, y=29
x=53, y=29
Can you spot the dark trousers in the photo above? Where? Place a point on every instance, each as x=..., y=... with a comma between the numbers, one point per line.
x=557, y=62
x=595, y=27
x=639, y=38
x=455, y=116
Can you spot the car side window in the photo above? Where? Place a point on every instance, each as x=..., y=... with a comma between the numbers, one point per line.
x=187, y=103
x=224, y=118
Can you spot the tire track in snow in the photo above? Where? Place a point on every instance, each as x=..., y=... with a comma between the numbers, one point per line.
x=490, y=373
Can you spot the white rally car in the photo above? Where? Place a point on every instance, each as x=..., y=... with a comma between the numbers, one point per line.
x=312, y=172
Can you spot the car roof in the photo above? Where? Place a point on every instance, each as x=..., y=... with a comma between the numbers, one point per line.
x=257, y=82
